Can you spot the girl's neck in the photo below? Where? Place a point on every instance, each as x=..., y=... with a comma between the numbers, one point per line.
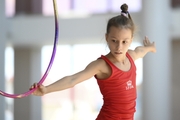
x=120, y=59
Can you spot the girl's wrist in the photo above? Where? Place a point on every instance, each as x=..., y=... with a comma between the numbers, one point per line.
x=46, y=90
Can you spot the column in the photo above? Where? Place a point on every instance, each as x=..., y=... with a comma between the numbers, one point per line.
x=156, y=67
x=27, y=71
x=2, y=54
x=28, y=7
x=175, y=110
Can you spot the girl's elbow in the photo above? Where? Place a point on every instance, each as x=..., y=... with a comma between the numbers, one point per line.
x=72, y=82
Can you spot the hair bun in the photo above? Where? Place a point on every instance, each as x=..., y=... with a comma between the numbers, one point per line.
x=124, y=8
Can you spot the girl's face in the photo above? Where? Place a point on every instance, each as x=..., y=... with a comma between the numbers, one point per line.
x=119, y=41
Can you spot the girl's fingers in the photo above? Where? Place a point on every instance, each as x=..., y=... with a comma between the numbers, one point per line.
x=146, y=41
x=39, y=91
x=35, y=85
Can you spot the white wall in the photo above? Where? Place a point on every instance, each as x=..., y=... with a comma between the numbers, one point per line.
x=39, y=30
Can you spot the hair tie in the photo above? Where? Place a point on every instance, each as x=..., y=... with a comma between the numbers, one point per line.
x=125, y=14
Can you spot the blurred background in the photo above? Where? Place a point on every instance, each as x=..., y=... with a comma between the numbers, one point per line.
x=26, y=44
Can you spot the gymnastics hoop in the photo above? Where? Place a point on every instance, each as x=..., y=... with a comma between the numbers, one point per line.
x=50, y=63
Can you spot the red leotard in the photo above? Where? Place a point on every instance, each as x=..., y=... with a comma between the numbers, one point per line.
x=119, y=93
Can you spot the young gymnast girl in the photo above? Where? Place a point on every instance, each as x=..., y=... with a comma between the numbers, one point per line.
x=115, y=72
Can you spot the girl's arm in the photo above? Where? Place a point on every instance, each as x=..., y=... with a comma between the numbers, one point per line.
x=68, y=81
x=141, y=51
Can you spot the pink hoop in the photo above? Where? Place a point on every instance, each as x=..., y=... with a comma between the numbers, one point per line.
x=50, y=63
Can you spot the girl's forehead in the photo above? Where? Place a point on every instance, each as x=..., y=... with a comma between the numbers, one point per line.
x=119, y=29
x=115, y=31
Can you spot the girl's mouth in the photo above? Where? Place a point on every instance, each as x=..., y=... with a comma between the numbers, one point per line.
x=118, y=52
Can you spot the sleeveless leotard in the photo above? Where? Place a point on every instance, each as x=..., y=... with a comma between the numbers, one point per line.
x=119, y=92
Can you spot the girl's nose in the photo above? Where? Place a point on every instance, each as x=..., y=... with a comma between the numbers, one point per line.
x=119, y=46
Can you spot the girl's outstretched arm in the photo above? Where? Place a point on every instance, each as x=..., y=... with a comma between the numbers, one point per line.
x=141, y=51
x=68, y=81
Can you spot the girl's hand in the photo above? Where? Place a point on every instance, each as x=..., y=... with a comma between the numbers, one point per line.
x=147, y=43
x=40, y=91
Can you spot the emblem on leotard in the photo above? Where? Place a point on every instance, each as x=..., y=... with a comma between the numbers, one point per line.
x=129, y=85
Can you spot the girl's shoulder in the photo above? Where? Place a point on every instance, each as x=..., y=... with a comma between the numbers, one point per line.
x=104, y=68
x=100, y=62
x=131, y=53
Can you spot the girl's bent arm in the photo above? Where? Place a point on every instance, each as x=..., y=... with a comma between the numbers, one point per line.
x=141, y=51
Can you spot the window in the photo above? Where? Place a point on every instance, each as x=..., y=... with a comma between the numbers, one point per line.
x=134, y=5
x=10, y=8
x=81, y=6
x=64, y=6
x=89, y=6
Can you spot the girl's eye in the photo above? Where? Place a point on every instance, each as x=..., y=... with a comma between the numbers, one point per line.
x=114, y=40
x=124, y=42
